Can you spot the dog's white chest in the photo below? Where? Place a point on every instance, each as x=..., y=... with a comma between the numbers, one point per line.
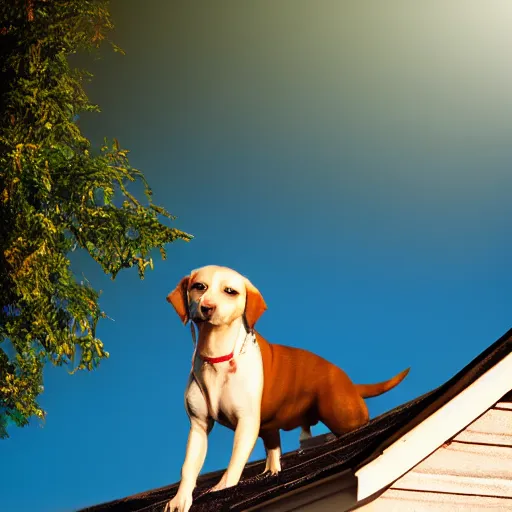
x=230, y=394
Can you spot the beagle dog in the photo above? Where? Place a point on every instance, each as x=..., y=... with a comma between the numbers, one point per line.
x=252, y=386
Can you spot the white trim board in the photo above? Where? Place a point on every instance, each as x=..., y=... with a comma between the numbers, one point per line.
x=432, y=432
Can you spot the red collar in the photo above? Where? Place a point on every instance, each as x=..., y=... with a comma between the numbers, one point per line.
x=221, y=359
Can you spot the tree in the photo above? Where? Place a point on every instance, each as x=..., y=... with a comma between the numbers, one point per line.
x=57, y=195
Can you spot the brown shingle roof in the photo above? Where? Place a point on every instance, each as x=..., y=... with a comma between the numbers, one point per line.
x=322, y=456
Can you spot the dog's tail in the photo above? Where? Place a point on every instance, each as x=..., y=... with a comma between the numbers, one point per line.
x=370, y=390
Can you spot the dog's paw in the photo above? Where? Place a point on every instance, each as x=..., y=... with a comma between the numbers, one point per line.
x=224, y=483
x=272, y=467
x=180, y=503
x=219, y=487
x=267, y=473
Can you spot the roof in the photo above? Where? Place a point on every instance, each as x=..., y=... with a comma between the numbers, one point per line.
x=321, y=456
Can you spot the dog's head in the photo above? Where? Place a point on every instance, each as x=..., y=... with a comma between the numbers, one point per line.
x=217, y=295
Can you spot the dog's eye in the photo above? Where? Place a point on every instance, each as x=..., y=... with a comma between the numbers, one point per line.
x=230, y=291
x=198, y=286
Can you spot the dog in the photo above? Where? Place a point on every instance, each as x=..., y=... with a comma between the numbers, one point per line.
x=252, y=386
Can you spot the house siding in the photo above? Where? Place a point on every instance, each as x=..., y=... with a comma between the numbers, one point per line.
x=397, y=500
x=471, y=472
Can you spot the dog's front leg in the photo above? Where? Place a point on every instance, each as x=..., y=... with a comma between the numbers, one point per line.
x=201, y=424
x=194, y=460
x=246, y=434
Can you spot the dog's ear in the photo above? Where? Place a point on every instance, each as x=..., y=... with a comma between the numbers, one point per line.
x=179, y=299
x=254, y=305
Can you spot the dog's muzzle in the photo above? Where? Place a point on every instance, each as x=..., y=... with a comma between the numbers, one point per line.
x=200, y=313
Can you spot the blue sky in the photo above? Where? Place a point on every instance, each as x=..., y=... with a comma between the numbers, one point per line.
x=353, y=160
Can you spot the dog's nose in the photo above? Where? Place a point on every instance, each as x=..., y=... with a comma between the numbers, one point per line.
x=207, y=310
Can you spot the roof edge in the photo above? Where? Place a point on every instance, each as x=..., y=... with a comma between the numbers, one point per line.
x=439, y=426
